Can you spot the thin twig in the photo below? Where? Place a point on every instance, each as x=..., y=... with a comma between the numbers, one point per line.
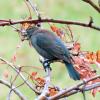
x=74, y=89
x=93, y=5
x=28, y=9
x=16, y=91
x=45, y=91
x=20, y=74
x=83, y=92
x=35, y=9
x=12, y=82
x=9, y=94
x=87, y=88
x=13, y=88
x=10, y=22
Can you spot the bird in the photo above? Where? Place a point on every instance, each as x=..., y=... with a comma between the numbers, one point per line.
x=51, y=47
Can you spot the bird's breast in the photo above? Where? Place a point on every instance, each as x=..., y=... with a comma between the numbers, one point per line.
x=39, y=49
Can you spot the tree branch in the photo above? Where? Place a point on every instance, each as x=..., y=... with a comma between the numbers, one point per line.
x=10, y=22
x=34, y=9
x=15, y=90
x=93, y=5
x=20, y=74
x=77, y=88
x=87, y=88
x=45, y=91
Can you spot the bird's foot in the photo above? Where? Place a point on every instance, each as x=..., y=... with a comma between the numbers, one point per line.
x=46, y=64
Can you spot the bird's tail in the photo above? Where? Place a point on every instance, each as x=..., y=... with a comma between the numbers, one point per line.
x=72, y=72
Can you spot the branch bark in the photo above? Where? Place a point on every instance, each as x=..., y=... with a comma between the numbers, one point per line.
x=75, y=89
x=35, y=9
x=20, y=74
x=15, y=90
x=10, y=22
x=93, y=5
x=45, y=91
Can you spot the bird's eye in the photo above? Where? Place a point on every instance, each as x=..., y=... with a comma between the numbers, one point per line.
x=38, y=25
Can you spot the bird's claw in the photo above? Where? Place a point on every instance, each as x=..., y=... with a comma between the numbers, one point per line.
x=46, y=64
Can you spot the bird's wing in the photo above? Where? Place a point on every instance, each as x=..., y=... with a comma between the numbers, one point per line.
x=54, y=46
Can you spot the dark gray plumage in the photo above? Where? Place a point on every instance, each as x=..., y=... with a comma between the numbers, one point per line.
x=51, y=47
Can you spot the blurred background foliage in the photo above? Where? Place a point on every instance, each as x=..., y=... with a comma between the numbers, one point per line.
x=75, y=10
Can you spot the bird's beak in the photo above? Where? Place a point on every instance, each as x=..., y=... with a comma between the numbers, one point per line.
x=23, y=34
x=23, y=31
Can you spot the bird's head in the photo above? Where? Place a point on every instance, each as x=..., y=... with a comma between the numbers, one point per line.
x=31, y=30
x=27, y=30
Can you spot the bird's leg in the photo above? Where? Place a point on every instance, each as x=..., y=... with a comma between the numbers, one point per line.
x=46, y=64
